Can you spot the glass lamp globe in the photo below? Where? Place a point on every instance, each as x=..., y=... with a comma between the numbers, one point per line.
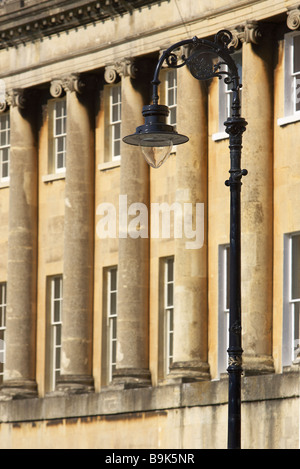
x=156, y=155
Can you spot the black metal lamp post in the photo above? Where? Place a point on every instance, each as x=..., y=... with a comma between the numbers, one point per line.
x=156, y=138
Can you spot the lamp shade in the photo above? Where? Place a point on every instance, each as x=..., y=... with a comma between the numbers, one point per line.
x=155, y=137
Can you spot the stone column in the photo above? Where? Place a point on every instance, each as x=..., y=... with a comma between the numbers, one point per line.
x=190, y=347
x=132, y=368
x=257, y=205
x=76, y=365
x=20, y=335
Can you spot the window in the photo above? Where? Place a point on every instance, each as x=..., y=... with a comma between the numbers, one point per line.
x=4, y=146
x=171, y=96
x=223, y=322
x=59, y=135
x=225, y=96
x=115, y=121
x=169, y=312
x=291, y=313
x=111, y=307
x=166, y=316
x=2, y=327
x=291, y=78
x=55, y=329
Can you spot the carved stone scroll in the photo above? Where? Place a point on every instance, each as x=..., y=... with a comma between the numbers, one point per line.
x=293, y=18
x=123, y=68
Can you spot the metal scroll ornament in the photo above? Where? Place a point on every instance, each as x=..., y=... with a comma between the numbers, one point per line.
x=202, y=61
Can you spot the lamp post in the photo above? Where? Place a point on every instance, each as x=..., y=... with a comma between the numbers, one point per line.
x=156, y=138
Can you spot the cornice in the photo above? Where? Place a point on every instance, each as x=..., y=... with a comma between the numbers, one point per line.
x=38, y=19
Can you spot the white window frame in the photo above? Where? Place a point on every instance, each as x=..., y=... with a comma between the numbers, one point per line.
x=5, y=146
x=3, y=292
x=169, y=312
x=171, y=92
x=290, y=338
x=223, y=320
x=112, y=321
x=225, y=96
x=291, y=82
x=115, y=120
x=56, y=329
x=60, y=136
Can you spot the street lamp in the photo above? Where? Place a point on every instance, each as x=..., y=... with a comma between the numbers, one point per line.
x=156, y=139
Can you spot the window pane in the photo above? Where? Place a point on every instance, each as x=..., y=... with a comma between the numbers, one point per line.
x=59, y=108
x=171, y=100
x=3, y=139
x=171, y=320
x=296, y=267
x=56, y=311
x=117, y=131
x=170, y=294
x=115, y=113
x=296, y=338
x=5, y=155
x=113, y=303
x=117, y=148
x=170, y=263
x=173, y=116
x=58, y=127
x=296, y=53
x=60, y=160
x=297, y=91
x=116, y=94
x=113, y=279
x=58, y=335
x=60, y=144
x=5, y=170
x=57, y=288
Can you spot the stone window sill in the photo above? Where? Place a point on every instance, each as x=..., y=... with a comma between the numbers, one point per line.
x=109, y=165
x=288, y=119
x=219, y=136
x=53, y=177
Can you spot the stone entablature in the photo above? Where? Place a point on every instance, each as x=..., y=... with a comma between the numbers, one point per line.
x=22, y=21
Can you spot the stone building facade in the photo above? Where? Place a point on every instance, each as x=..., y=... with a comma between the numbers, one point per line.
x=114, y=333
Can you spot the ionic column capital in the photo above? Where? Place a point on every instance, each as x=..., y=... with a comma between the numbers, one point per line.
x=123, y=68
x=71, y=83
x=293, y=18
x=250, y=32
x=15, y=98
